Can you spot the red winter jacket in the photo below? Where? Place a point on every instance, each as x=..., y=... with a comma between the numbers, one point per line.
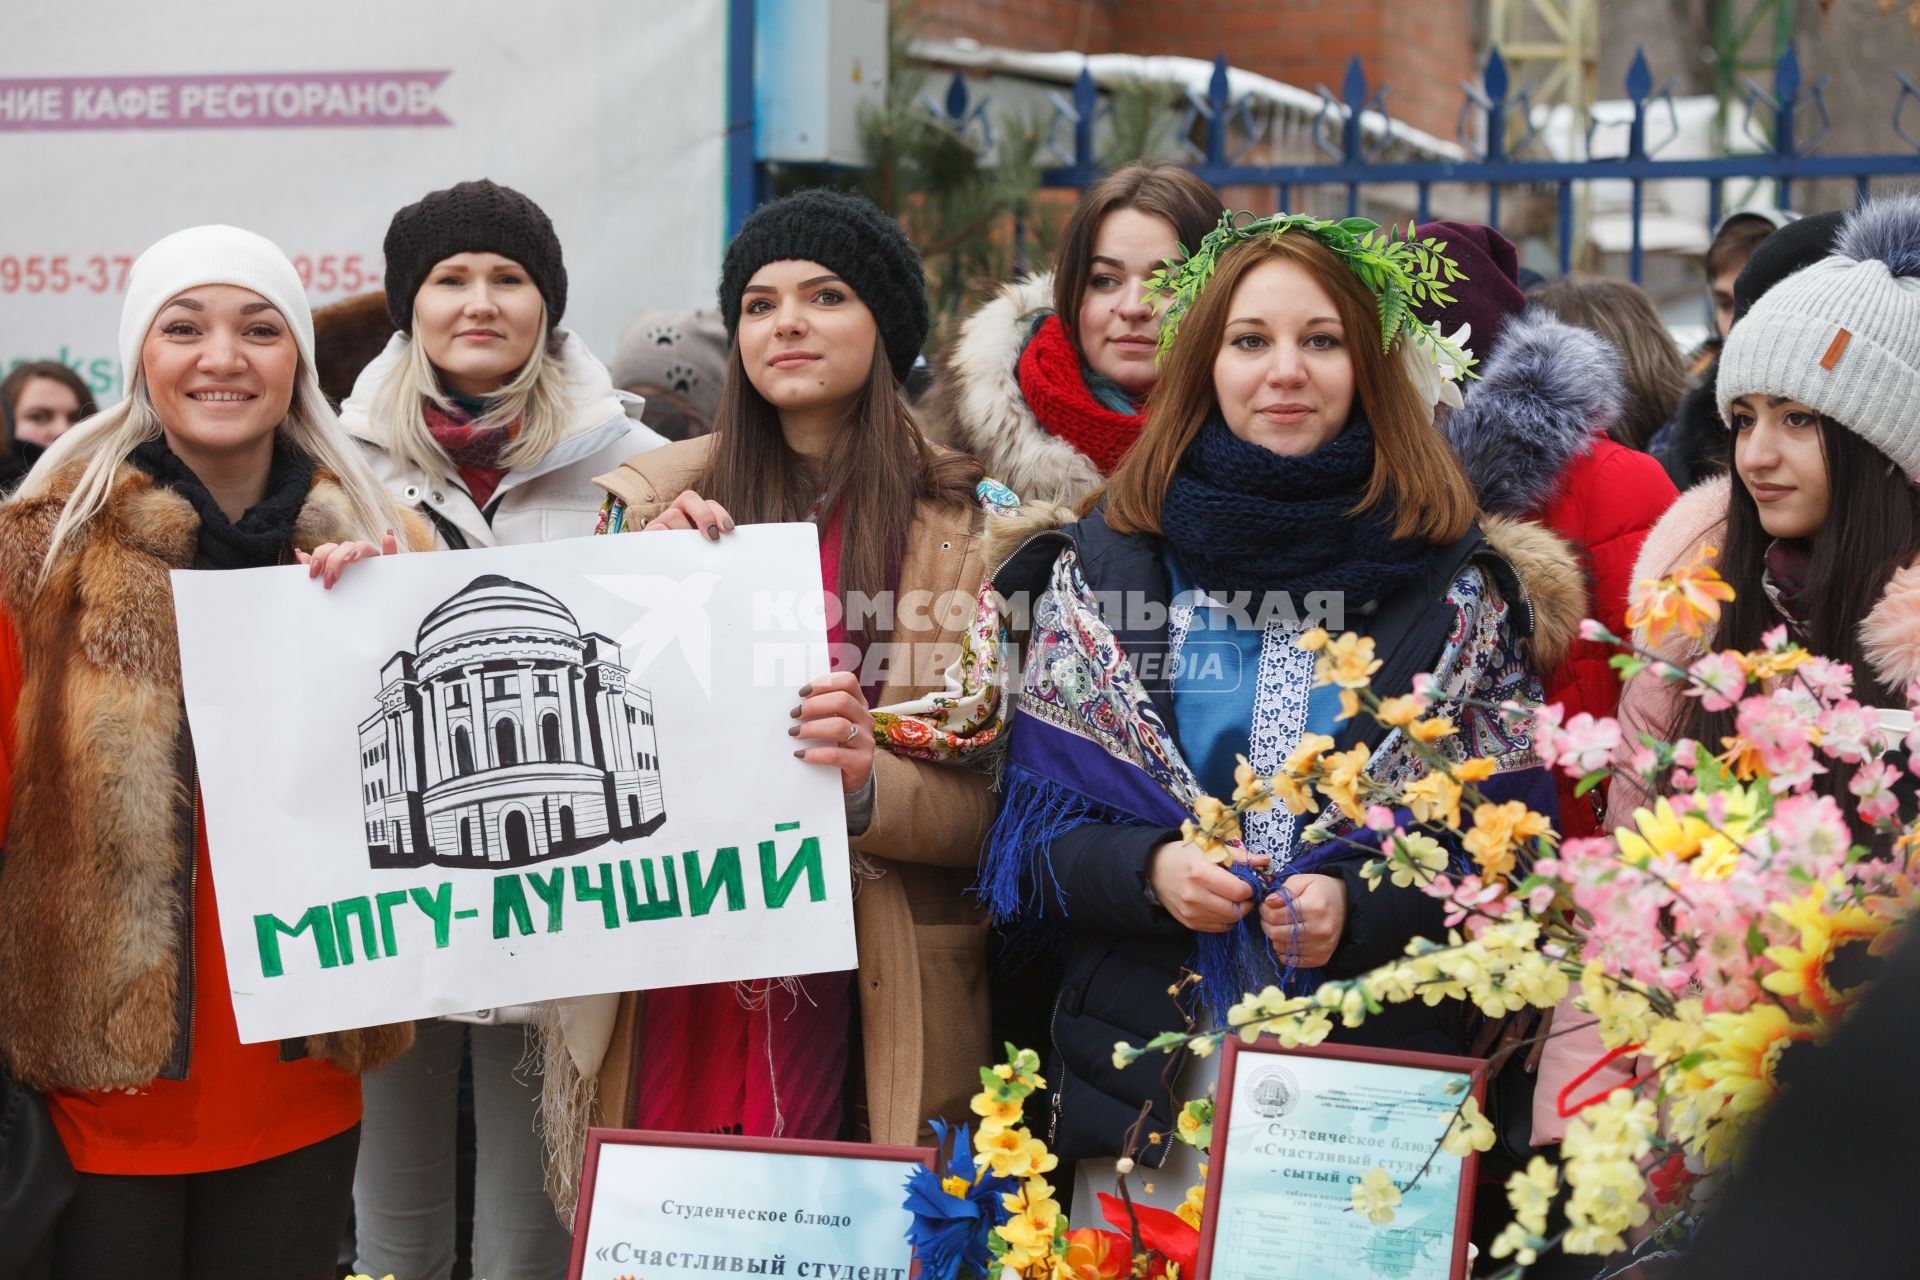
x=1533, y=440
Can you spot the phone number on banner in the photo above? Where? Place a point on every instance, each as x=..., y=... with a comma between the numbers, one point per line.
x=107, y=273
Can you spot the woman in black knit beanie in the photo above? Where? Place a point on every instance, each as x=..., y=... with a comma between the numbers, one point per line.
x=825, y=304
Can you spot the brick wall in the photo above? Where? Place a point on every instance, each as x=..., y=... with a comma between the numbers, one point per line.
x=1422, y=50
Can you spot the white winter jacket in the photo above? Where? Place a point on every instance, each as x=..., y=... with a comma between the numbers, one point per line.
x=555, y=498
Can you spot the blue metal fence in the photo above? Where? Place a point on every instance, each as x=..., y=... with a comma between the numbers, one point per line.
x=1786, y=156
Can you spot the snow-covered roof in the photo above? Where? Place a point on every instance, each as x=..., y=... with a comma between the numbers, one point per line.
x=1190, y=74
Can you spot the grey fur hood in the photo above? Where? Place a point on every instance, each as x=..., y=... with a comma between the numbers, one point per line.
x=1541, y=398
x=976, y=406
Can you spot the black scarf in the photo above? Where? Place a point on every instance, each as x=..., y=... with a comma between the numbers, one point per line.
x=1243, y=518
x=263, y=535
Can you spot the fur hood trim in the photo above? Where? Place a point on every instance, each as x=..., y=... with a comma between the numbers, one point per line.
x=976, y=405
x=100, y=840
x=1544, y=395
x=1551, y=576
x=1890, y=633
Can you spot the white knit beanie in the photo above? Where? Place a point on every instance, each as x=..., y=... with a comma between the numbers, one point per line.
x=211, y=255
x=1843, y=335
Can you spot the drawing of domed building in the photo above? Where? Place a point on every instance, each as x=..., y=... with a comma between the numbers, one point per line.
x=508, y=736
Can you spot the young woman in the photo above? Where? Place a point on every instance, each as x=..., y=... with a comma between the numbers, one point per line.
x=1818, y=527
x=1047, y=383
x=40, y=399
x=825, y=303
x=489, y=419
x=208, y=1157
x=1285, y=460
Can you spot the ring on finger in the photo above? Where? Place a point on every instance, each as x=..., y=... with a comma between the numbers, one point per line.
x=853, y=731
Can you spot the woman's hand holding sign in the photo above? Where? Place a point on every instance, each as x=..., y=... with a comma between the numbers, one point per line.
x=835, y=722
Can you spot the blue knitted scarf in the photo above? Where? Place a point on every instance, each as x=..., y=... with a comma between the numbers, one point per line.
x=1243, y=518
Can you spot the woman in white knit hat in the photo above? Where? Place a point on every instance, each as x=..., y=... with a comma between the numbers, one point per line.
x=1817, y=528
x=204, y=1156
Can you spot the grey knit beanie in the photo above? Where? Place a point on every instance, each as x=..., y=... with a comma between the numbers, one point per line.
x=1843, y=335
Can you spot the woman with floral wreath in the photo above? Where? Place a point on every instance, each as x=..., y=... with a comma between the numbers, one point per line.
x=1288, y=467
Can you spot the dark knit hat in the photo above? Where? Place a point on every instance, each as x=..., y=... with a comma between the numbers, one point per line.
x=1794, y=247
x=849, y=236
x=1489, y=296
x=471, y=217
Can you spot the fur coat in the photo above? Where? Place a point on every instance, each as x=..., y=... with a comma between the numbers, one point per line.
x=1533, y=439
x=976, y=405
x=96, y=919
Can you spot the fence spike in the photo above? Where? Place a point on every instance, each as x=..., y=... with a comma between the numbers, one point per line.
x=1495, y=78
x=957, y=100
x=1217, y=87
x=1786, y=78
x=1354, y=87
x=1639, y=77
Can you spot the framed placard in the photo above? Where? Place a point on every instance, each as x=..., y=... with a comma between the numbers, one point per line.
x=670, y=1205
x=1294, y=1130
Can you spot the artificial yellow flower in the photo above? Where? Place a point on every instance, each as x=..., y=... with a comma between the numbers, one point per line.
x=1743, y=1052
x=1313, y=640
x=1014, y=1153
x=1498, y=832
x=1306, y=753
x=996, y=1113
x=1530, y=1193
x=1517, y=1242
x=1435, y=798
x=1375, y=1197
x=1347, y=662
x=1468, y=1131
x=1432, y=729
x=1341, y=782
x=1689, y=598
x=1803, y=972
x=1194, y=1208
x=1400, y=711
x=1417, y=859
x=1478, y=769
x=1250, y=791
x=1349, y=705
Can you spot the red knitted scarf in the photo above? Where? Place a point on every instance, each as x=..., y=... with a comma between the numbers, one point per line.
x=475, y=454
x=1058, y=394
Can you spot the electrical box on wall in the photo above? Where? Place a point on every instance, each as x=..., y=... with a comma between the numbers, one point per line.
x=818, y=64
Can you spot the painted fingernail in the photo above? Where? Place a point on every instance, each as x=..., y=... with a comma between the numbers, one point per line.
x=713, y=533
x=727, y=525
x=794, y=731
x=806, y=691
x=800, y=754
x=794, y=714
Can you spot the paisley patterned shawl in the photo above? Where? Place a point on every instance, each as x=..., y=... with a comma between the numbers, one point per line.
x=1088, y=745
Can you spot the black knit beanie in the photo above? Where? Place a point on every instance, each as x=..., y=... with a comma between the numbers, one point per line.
x=849, y=236
x=471, y=217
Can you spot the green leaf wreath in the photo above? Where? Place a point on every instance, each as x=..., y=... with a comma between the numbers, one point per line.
x=1402, y=270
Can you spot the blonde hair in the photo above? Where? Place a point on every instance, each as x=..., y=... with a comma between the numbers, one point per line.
x=536, y=397
x=108, y=438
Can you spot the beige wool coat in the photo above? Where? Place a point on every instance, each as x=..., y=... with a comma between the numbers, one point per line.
x=921, y=936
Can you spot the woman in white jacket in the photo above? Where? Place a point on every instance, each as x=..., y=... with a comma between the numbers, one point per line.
x=491, y=421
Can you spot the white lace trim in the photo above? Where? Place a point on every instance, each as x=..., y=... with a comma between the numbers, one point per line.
x=1279, y=717
x=1280, y=700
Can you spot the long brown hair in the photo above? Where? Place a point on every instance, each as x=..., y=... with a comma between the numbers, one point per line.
x=1413, y=467
x=1168, y=192
x=878, y=467
x=1623, y=314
